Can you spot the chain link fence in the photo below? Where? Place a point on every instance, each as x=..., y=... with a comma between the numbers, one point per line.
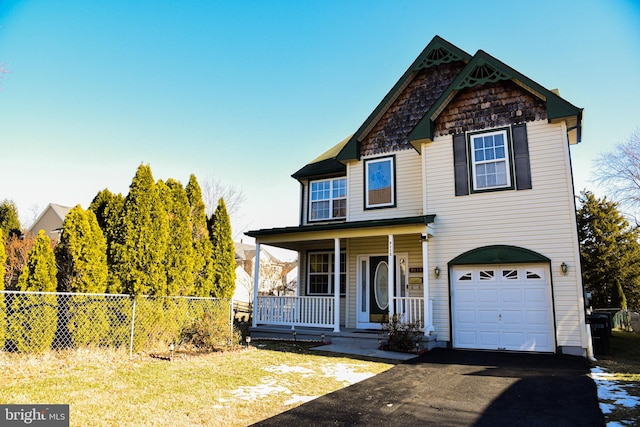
x=34, y=322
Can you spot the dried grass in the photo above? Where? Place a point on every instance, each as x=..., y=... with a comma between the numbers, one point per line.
x=235, y=388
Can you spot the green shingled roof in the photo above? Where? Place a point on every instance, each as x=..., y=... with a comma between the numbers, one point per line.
x=325, y=164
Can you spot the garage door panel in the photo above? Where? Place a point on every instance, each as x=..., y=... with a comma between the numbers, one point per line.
x=502, y=308
x=541, y=340
x=513, y=317
x=537, y=294
x=511, y=295
x=465, y=296
x=467, y=317
x=489, y=339
x=467, y=339
x=488, y=317
x=487, y=296
x=513, y=340
x=538, y=317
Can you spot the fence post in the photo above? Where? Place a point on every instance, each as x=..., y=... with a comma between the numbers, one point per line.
x=133, y=322
x=230, y=321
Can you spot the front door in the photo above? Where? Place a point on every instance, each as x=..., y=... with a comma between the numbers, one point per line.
x=373, y=288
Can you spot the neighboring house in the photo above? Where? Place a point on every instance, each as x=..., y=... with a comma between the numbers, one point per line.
x=50, y=220
x=273, y=272
x=244, y=286
x=452, y=206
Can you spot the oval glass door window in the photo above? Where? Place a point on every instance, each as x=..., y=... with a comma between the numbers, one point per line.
x=381, y=285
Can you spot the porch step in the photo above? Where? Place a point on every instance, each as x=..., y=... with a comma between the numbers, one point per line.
x=356, y=338
x=309, y=334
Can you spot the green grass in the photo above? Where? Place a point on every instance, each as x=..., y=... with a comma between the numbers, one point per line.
x=623, y=361
x=233, y=388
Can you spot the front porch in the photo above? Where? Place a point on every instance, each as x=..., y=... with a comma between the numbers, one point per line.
x=353, y=275
x=319, y=312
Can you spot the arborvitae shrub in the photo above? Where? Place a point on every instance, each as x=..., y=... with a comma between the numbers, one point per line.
x=34, y=317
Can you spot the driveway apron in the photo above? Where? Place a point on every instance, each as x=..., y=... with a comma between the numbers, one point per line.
x=462, y=388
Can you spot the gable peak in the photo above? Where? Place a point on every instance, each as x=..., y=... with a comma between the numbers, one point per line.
x=439, y=51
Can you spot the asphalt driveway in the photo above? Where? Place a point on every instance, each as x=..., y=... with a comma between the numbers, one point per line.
x=461, y=388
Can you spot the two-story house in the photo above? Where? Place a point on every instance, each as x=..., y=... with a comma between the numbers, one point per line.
x=452, y=206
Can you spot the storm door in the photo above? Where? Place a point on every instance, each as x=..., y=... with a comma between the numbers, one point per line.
x=373, y=288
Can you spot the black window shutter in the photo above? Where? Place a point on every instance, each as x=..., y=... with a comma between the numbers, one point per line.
x=460, y=167
x=521, y=156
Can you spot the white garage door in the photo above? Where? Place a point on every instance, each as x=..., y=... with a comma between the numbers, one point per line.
x=502, y=308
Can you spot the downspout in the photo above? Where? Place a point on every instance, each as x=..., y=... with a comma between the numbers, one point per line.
x=428, y=316
x=391, y=278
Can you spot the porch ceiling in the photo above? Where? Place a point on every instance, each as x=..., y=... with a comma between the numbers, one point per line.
x=295, y=238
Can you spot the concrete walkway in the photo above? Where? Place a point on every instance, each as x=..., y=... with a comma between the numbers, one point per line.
x=462, y=388
x=364, y=350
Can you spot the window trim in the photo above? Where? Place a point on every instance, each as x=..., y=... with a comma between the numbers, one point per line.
x=330, y=291
x=392, y=163
x=506, y=131
x=331, y=199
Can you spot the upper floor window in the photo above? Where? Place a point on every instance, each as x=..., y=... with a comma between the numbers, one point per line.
x=328, y=199
x=380, y=183
x=490, y=160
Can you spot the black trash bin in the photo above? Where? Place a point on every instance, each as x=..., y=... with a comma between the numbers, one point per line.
x=599, y=324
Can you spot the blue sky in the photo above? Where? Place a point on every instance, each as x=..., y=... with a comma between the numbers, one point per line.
x=250, y=91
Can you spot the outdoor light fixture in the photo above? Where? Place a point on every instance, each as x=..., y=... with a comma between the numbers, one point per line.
x=294, y=335
x=322, y=338
x=436, y=271
x=564, y=267
x=171, y=348
x=248, y=339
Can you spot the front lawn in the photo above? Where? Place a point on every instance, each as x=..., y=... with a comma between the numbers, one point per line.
x=228, y=388
x=619, y=384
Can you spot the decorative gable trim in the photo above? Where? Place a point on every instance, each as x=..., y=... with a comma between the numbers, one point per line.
x=484, y=69
x=437, y=52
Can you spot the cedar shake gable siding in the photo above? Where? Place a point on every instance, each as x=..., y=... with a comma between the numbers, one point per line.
x=491, y=105
x=391, y=131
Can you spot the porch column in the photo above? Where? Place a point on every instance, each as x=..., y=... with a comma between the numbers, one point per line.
x=336, y=286
x=256, y=283
x=426, y=271
x=392, y=278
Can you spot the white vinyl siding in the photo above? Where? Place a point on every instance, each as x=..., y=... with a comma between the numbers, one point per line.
x=541, y=219
x=408, y=192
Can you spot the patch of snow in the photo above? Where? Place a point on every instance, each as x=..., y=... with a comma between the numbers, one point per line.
x=612, y=394
x=260, y=391
x=345, y=373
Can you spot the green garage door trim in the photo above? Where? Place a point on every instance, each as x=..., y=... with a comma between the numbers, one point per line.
x=498, y=254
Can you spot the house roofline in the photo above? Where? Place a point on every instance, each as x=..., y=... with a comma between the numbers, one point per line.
x=414, y=220
x=484, y=68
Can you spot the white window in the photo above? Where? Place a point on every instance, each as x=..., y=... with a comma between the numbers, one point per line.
x=490, y=160
x=320, y=269
x=328, y=199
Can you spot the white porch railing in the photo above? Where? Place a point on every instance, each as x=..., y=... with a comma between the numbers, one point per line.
x=411, y=310
x=295, y=311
